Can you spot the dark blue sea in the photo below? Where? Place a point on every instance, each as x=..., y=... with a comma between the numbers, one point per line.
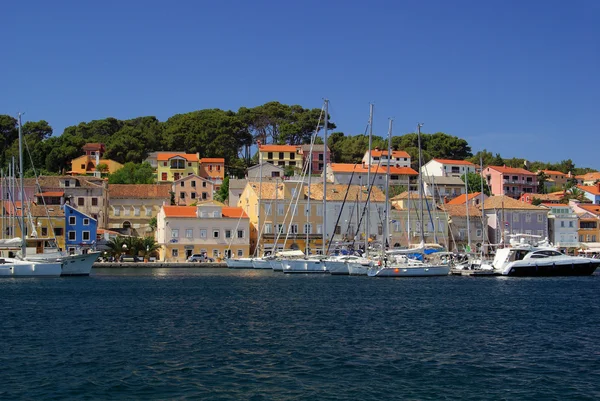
x=218, y=334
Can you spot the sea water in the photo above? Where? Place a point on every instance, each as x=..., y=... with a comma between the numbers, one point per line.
x=218, y=334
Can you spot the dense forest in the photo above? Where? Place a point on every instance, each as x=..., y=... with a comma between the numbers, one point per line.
x=228, y=134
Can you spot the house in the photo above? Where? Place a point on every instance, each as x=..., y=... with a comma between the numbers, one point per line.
x=87, y=194
x=510, y=181
x=474, y=199
x=554, y=179
x=588, y=178
x=280, y=155
x=290, y=216
x=562, y=226
x=267, y=170
x=447, y=168
x=213, y=169
x=173, y=166
x=192, y=189
x=132, y=206
x=347, y=173
x=320, y=157
x=236, y=187
x=380, y=158
x=81, y=231
x=554, y=197
x=405, y=221
x=464, y=224
x=209, y=228
x=592, y=192
x=443, y=188
x=589, y=227
x=94, y=156
x=506, y=216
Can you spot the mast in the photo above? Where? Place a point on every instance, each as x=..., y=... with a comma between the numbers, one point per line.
x=368, y=206
x=483, y=226
x=386, y=227
x=419, y=125
x=324, y=245
x=408, y=211
x=467, y=206
x=307, y=207
x=259, y=199
x=22, y=190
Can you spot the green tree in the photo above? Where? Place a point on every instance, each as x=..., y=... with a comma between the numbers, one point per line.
x=115, y=246
x=149, y=246
x=132, y=173
x=153, y=223
x=223, y=192
x=474, y=182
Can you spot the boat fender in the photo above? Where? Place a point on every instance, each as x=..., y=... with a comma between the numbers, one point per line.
x=379, y=263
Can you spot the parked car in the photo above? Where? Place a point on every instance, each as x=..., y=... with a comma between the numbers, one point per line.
x=130, y=258
x=200, y=258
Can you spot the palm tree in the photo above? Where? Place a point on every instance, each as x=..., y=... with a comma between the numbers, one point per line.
x=573, y=193
x=115, y=246
x=149, y=246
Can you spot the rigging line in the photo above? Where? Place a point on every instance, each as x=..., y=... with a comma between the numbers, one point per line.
x=341, y=210
x=366, y=201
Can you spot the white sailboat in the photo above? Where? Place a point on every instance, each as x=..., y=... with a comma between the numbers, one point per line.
x=401, y=265
x=20, y=266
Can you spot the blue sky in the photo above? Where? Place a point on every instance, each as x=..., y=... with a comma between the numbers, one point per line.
x=515, y=77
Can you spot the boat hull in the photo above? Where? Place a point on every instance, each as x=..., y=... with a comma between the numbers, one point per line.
x=276, y=265
x=577, y=268
x=337, y=267
x=72, y=265
x=261, y=264
x=30, y=269
x=410, y=271
x=242, y=263
x=304, y=266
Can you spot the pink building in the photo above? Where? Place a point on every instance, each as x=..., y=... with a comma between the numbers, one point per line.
x=192, y=189
x=317, y=157
x=510, y=181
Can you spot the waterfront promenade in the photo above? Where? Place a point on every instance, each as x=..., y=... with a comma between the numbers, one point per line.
x=158, y=265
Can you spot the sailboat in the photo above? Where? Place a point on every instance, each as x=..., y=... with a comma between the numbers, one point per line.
x=401, y=265
x=20, y=266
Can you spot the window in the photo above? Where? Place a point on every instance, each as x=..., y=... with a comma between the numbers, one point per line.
x=227, y=233
x=85, y=235
x=562, y=223
x=193, y=184
x=268, y=208
x=189, y=164
x=293, y=228
x=203, y=184
x=117, y=211
x=319, y=228
x=174, y=253
x=515, y=217
x=215, y=233
x=163, y=176
x=215, y=253
x=149, y=212
x=44, y=231
x=189, y=233
x=126, y=211
x=240, y=233
x=478, y=233
x=72, y=220
x=280, y=228
x=71, y=235
x=204, y=195
x=319, y=210
x=570, y=224
x=94, y=201
x=67, y=183
x=202, y=233
x=136, y=211
x=86, y=221
x=540, y=218
x=338, y=230
x=210, y=167
x=218, y=167
x=58, y=231
x=216, y=213
x=175, y=233
x=280, y=155
x=182, y=195
x=528, y=218
x=80, y=201
x=83, y=166
x=280, y=209
x=268, y=229
x=269, y=155
x=182, y=184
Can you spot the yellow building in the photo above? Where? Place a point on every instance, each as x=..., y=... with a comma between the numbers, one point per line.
x=210, y=227
x=281, y=155
x=173, y=166
x=291, y=216
x=93, y=156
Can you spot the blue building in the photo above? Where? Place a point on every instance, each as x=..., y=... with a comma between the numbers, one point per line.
x=80, y=231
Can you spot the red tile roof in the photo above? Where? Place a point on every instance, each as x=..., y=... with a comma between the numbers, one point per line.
x=212, y=160
x=395, y=153
x=592, y=189
x=191, y=157
x=279, y=148
x=457, y=162
x=462, y=199
x=235, y=212
x=141, y=191
x=180, y=211
x=358, y=168
x=54, y=193
x=553, y=172
x=590, y=208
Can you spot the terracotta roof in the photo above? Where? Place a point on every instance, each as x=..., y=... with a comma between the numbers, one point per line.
x=595, y=209
x=234, y=212
x=594, y=175
x=358, y=168
x=337, y=192
x=395, y=153
x=51, y=194
x=553, y=172
x=212, y=160
x=592, y=189
x=460, y=210
x=404, y=195
x=93, y=146
x=457, y=162
x=506, y=202
x=511, y=170
x=180, y=211
x=193, y=177
x=191, y=157
x=462, y=199
x=279, y=148
x=547, y=197
x=50, y=182
x=316, y=148
x=140, y=191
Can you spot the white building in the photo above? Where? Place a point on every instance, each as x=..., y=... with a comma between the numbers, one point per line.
x=562, y=225
x=447, y=168
x=347, y=173
x=399, y=158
